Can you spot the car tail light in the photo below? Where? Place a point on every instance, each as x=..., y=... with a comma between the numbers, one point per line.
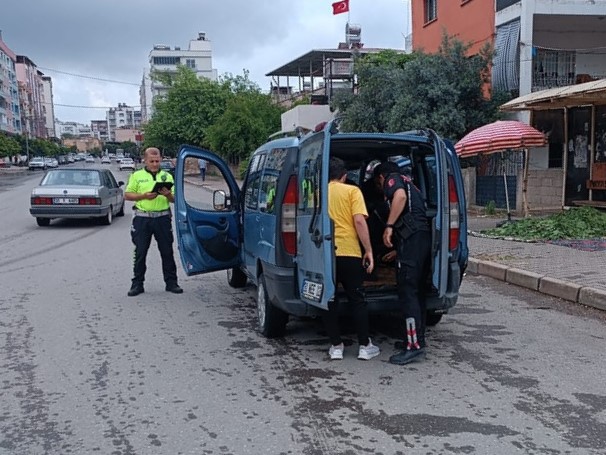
x=90, y=201
x=454, y=228
x=38, y=200
x=289, y=216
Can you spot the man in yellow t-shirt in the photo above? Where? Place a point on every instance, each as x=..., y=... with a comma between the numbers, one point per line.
x=347, y=210
x=152, y=218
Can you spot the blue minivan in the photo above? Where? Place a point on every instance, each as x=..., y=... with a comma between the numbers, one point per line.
x=274, y=230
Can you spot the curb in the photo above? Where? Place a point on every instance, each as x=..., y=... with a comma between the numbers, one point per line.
x=585, y=295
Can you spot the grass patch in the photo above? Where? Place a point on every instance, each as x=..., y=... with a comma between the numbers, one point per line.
x=576, y=223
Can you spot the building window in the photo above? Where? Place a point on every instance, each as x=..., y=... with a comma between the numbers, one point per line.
x=431, y=10
x=166, y=60
x=553, y=68
x=190, y=63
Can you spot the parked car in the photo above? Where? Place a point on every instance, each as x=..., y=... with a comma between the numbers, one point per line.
x=168, y=166
x=37, y=162
x=77, y=193
x=89, y=159
x=51, y=162
x=105, y=160
x=285, y=246
x=127, y=163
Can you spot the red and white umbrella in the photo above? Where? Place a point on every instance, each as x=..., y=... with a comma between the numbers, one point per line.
x=500, y=136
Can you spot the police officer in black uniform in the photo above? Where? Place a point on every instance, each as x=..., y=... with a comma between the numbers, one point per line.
x=152, y=218
x=408, y=228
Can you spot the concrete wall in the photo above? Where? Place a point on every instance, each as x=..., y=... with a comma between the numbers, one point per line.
x=306, y=116
x=544, y=189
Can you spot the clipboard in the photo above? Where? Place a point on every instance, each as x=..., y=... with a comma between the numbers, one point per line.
x=160, y=185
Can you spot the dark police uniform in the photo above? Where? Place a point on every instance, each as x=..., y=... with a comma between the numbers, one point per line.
x=414, y=256
x=152, y=217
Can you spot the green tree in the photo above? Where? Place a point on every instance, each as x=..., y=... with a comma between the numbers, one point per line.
x=249, y=118
x=189, y=108
x=231, y=116
x=444, y=91
x=8, y=146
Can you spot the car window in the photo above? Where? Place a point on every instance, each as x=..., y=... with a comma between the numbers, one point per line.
x=200, y=197
x=253, y=182
x=112, y=180
x=309, y=173
x=269, y=179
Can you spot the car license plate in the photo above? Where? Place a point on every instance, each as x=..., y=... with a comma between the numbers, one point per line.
x=65, y=200
x=312, y=290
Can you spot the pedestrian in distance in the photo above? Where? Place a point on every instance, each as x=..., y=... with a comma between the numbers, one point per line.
x=347, y=210
x=408, y=228
x=152, y=190
x=202, y=167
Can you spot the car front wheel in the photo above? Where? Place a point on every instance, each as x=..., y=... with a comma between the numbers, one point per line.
x=272, y=320
x=236, y=278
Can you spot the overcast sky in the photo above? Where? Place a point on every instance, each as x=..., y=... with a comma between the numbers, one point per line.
x=112, y=39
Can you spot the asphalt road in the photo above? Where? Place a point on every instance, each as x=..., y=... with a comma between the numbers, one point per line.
x=85, y=369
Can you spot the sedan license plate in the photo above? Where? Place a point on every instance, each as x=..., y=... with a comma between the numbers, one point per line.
x=65, y=200
x=312, y=290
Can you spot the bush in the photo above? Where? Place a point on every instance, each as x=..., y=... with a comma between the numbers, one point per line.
x=491, y=208
x=242, y=167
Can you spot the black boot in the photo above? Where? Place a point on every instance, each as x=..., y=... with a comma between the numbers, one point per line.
x=405, y=357
x=174, y=288
x=136, y=289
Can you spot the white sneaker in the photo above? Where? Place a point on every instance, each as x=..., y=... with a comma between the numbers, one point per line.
x=369, y=351
x=336, y=352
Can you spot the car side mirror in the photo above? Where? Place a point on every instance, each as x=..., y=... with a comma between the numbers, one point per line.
x=120, y=183
x=219, y=200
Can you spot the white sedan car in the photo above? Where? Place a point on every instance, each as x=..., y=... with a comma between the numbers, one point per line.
x=127, y=163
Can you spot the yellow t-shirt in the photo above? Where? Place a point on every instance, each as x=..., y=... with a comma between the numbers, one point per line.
x=345, y=201
x=141, y=182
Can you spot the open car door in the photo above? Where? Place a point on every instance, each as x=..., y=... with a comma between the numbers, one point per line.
x=315, y=251
x=442, y=219
x=207, y=222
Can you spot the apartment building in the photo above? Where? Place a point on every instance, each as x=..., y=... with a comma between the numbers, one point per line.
x=164, y=59
x=122, y=116
x=31, y=97
x=10, y=111
x=100, y=129
x=72, y=130
x=48, y=106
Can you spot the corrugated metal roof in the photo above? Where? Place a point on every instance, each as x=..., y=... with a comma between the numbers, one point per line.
x=588, y=93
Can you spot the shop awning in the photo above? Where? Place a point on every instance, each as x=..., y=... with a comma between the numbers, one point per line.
x=585, y=94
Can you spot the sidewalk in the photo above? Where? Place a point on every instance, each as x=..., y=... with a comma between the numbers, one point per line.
x=560, y=271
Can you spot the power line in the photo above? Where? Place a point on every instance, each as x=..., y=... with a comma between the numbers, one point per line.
x=90, y=77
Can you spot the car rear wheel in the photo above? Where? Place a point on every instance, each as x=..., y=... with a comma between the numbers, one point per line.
x=272, y=320
x=43, y=221
x=107, y=219
x=236, y=278
x=121, y=211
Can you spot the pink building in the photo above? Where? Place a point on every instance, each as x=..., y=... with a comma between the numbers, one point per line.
x=10, y=113
x=31, y=91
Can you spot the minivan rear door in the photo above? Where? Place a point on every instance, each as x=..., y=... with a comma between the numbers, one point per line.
x=315, y=255
x=208, y=234
x=442, y=218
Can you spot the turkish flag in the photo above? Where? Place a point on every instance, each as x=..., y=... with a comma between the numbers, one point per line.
x=340, y=7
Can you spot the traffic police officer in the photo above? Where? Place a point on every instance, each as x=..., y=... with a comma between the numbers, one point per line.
x=408, y=227
x=152, y=217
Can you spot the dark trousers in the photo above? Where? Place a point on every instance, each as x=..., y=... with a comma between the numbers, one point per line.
x=141, y=233
x=203, y=173
x=350, y=275
x=414, y=265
